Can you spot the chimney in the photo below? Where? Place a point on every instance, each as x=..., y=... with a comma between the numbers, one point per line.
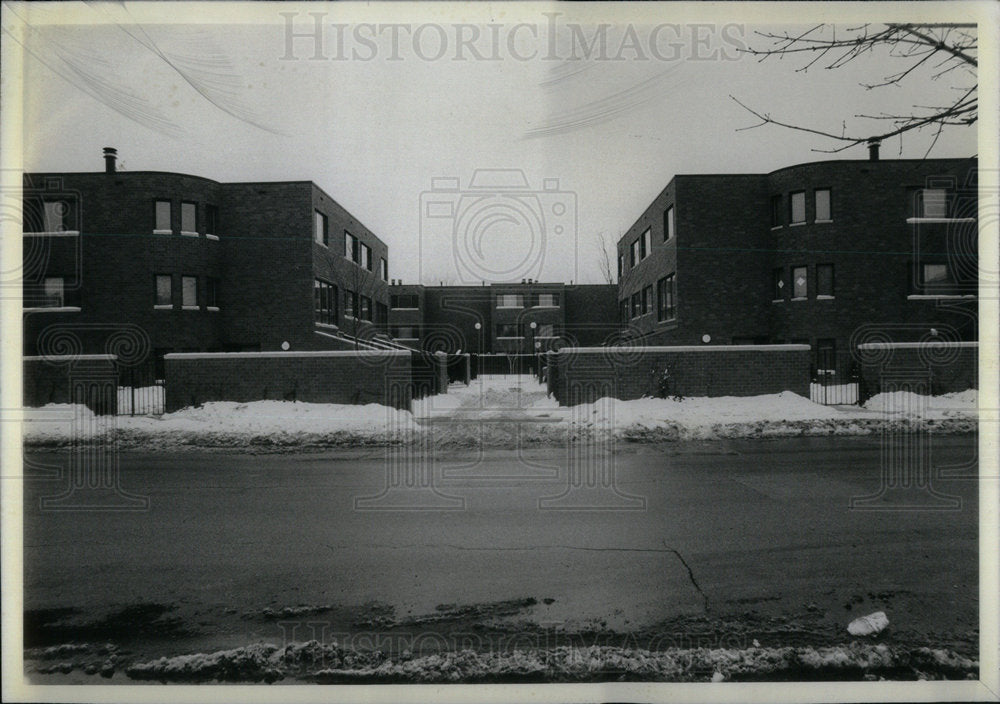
x=110, y=155
x=873, y=145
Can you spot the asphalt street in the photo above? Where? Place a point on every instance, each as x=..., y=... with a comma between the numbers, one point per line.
x=690, y=529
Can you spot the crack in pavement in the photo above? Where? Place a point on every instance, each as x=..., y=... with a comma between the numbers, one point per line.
x=690, y=573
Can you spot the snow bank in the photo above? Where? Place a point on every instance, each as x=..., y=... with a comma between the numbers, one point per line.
x=328, y=663
x=499, y=411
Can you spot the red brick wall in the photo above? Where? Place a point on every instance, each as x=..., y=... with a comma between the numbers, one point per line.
x=311, y=377
x=88, y=379
x=936, y=368
x=693, y=371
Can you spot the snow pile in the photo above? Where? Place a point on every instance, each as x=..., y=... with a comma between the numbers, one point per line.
x=502, y=412
x=227, y=423
x=328, y=663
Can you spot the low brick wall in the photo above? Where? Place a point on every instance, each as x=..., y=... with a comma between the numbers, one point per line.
x=352, y=377
x=924, y=367
x=88, y=379
x=580, y=374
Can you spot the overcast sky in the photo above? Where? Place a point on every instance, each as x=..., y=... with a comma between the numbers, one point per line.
x=373, y=115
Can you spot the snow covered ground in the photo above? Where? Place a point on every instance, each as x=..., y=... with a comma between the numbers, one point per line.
x=495, y=409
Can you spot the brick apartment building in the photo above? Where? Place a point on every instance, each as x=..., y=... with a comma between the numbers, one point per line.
x=519, y=318
x=173, y=262
x=829, y=254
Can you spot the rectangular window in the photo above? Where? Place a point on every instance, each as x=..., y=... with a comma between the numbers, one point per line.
x=189, y=291
x=546, y=330
x=350, y=303
x=635, y=252
x=636, y=304
x=54, y=292
x=366, y=256
x=824, y=280
x=325, y=295
x=404, y=300
x=621, y=265
x=404, y=332
x=778, y=279
x=776, y=220
x=366, y=308
x=55, y=216
x=163, y=217
x=164, y=290
x=211, y=220
x=668, y=223
x=189, y=218
x=321, y=228
x=623, y=310
x=647, y=300
x=509, y=330
x=936, y=279
x=934, y=202
x=212, y=292
x=800, y=282
x=665, y=295
x=823, y=211
x=350, y=246
x=797, y=207
x=383, y=268
x=645, y=244
x=546, y=300
x=510, y=300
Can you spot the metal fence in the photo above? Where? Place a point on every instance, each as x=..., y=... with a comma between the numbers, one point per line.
x=140, y=390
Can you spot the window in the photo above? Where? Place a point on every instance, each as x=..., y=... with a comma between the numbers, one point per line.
x=647, y=300
x=546, y=330
x=636, y=304
x=404, y=300
x=645, y=244
x=325, y=295
x=163, y=217
x=778, y=278
x=366, y=308
x=666, y=308
x=668, y=223
x=405, y=332
x=937, y=279
x=55, y=216
x=623, y=310
x=383, y=268
x=366, y=257
x=546, y=300
x=211, y=220
x=824, y=280
x=823, y=211
x=776, y=220
x=212, y=292
x=797, y=205
x=934, y=203
x=321, y=228
x=164, y=290
x=635, y=252
x=621, y=266
x=350, y=303
x=509, y=330
x=800, y=282
x=189, y=219
x=350, y=246
x=510, y=300
x=189, y=291
x=54, y=292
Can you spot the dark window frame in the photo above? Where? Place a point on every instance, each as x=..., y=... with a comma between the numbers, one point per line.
x=669, y=223
x=194, y=205
x=791, y=208
x=170, y=215
x=804, y=267
x=829, y=204
x=833, y=280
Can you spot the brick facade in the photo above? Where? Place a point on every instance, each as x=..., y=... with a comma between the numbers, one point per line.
x=928, y=367
x=91, y=380
x=725, y=251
